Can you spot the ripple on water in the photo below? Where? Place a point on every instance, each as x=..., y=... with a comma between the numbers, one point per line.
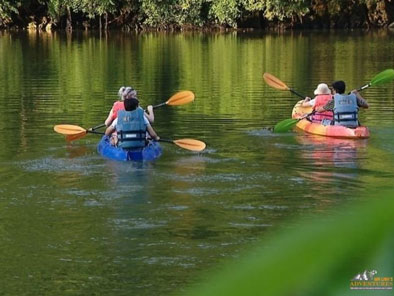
x=136, y=223
x=265, y=132
x=81, y=165
x=181, y=261
x=249, y=225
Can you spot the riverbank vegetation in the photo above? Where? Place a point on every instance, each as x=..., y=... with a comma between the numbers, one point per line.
x=194, y=14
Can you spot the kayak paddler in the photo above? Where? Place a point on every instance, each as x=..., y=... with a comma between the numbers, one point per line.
x=129, y=129
x=345, y=107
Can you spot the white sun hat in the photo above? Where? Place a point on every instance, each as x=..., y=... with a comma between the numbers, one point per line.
x=322, y=89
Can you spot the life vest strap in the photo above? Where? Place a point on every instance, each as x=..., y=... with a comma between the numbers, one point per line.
x=126, y=136
x=346, y=116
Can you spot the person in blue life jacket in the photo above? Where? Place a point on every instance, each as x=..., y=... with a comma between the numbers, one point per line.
x=129, y=129
x=345, y=107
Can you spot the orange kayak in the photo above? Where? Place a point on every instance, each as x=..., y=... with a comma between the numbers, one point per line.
x=336, y=131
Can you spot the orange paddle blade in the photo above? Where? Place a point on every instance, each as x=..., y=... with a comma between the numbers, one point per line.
x=68, y=129
x=181, y=98
x=70, y=138
x=190, y=144
x=274, y=82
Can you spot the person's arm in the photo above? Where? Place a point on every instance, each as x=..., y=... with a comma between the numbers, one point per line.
x=308, y=102
x=152, y=133
x=109, y=130
x=108, y=121
x=327, y=107
x=361, y=102
x=149, y=114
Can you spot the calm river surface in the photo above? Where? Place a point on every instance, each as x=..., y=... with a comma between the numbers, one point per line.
x=77, y=224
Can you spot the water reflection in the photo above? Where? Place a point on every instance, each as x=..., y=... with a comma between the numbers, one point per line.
x=149, y=228
x=131, y=181
x=76, y=151
x=331, y=158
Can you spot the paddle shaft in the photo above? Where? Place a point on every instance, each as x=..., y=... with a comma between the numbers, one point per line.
x=364, y=87
x=101, y=133
x=95, y=132
x=98, y=126
x=382, y=77
x=296, y=93
x=276, y=83
x=156, y=106
x=159, y=105
x=166, y=140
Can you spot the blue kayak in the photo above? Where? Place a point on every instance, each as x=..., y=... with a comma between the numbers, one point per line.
x=150, y=152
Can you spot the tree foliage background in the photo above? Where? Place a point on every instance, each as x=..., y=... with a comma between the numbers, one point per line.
x=182, y=14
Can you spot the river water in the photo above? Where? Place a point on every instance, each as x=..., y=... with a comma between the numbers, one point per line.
x=75, y=223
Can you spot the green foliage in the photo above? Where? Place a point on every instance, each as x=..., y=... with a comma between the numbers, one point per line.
x=158, y=13
x=93, y=8
x=162, y=14
x=225, y=12
x=6, y=10
x=253, y=5
x=56, y=8
x=191, y=12
x=318, y=257
x=180, y=13
x=286, y=9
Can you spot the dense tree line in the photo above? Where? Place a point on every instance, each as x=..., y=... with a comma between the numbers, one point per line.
x=184, y=14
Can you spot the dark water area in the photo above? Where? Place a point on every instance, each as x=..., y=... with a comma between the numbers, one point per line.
x=75, y=223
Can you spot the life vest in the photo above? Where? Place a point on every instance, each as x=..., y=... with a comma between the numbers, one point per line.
x=345, y=110
x=131, y=129
x=119, y=105
x=320, y=101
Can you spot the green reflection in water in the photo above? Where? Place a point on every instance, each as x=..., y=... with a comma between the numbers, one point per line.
x=74, y=222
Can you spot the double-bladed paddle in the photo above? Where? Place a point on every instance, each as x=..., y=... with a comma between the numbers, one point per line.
x=180, y=98
x=382, y=77
x=287, y=124
x=276, y=83
x=76, y=131
x=73, y=132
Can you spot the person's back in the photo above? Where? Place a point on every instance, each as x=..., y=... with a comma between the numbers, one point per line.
x=131, y=129
x=345, y=106
x=322, y=100
x=345, y=110
x=130, y=126
x=322, y=96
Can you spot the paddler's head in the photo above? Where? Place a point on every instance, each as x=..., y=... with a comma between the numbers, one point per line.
x=130, y=104
x=339, y=86
x=127, y=92
x=322, y=89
